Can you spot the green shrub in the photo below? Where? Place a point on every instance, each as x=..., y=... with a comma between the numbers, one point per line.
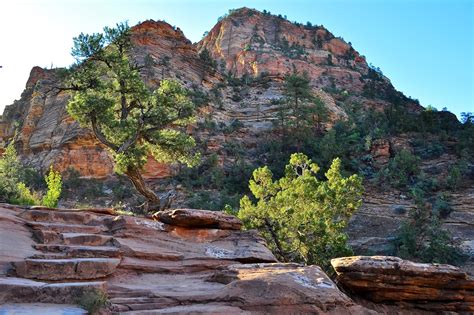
x=93, y=301
x=442, y=207
x=402, y=169
x=12, y=180
x=456, y=173
x=54, y=183
x=25, y=197
x=421, y=238
x=302, y=218
x=10, y=173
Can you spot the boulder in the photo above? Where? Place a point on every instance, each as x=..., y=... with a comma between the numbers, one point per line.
x=193, y=218
x=433, y=287
x=283, y=288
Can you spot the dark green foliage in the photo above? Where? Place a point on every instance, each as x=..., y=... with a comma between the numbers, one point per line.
x=301, y=217
x=329, y=60
x=13, y=176
x=428, y=149
x=442, y=207
x=300, y=112
x=133, y=122
x=401, y=170
x=199, y=97
x=93, y=301
x=293, y=51
x=457, y=172
x=421, y=237
x=90, y=190
x=214, y=185
x=318, y=41
x=465, y=135
x=206, y=58
x=234, y=126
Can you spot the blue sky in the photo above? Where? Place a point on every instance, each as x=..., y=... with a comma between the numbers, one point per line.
x=424, y=46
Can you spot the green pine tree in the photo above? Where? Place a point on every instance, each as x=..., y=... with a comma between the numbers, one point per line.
x=110, y=97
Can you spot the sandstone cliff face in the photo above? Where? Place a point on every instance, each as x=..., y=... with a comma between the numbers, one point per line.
x=248, y=42
x=245, y=43
x=48, y=136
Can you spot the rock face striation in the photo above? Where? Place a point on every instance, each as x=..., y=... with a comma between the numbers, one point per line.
x=258, y=49
x=148, y=266
x=247, y=43
x=384, y=279
x=145, y=266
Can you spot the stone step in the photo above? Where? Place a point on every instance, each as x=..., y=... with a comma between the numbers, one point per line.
x=211, y=308
x=49, y=256
x=66, y=228
x=128, y=294
x=160, y=304
x=61, y=269
x=15, y=290
x=139, y=300
x=58, y=216
x=41, y=308
x=86, y=239
x=47, y=237
x=78, y=251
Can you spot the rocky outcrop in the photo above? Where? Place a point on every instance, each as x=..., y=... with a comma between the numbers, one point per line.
x=199, y=219
x=246, y=42
x=47, y=135
x=204, y=266
x=384, y=279
x=207, y=265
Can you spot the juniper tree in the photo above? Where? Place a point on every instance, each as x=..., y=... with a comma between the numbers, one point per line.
x=133, y=121
x=303, y=218
x=301, y=111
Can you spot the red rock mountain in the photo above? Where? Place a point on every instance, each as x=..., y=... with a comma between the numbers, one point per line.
x=245, y=45
x=246, y=42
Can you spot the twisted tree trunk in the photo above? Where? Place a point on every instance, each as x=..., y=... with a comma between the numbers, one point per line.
x=153, y=200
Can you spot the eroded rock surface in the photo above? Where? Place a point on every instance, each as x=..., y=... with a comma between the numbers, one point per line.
x=146, y=266
x=432, y=287
x=199, y=219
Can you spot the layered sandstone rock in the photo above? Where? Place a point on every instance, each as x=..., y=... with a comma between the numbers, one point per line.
x=201, y=219
x=432, y=287
x=206, y=266
x=246, y=42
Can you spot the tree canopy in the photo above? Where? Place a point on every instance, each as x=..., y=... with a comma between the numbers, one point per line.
x=301, y=111
x=301, y=217
x=131, y=119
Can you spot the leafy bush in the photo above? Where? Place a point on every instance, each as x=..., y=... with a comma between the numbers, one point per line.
x=10, y=173
x=427, y=149
x=12, y=180
x=421, y=238
x=25, y=197
x=456, y=173
x=442, y=207
x=93, y=301
x=54, y=183
x=402, y=169
x=302, y=218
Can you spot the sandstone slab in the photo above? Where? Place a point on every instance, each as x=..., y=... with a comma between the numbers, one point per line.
x=433, y=287
x=282, y=288
x=41, y=309
x=72, y=268
x=193, y=218
x=19, y=290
